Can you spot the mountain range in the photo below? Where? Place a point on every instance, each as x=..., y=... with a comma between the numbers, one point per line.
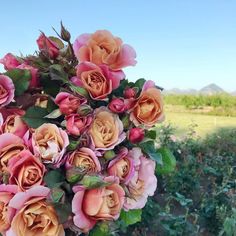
x=210, y=89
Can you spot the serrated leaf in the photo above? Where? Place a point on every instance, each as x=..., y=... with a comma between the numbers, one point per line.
x=101, y=229
x=169, y=161
x=57, y=194
x=131, y=217
x=139, y=83
x=54, y=114
x=54, y=178
x=149, y=149
x=21, y=79
x=56, y=72
x=34, y=116
x=93, y=182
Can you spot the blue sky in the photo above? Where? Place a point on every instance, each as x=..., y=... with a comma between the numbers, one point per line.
x=179, y=43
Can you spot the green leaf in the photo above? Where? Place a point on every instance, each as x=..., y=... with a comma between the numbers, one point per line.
x=54, y=114
x=57, y=194
x=169, y=161
x=101, y=229
x=152, y=134
x=50, y=87
x=79, y=90
x=56, y=72
x=34, y=116
x=139, y=83
x=21, y=80
x=131, y=217
x=148, y=147
x=54, y=178
x=93, y=182
x=56, y=40
x=73, y=145
x=75, y=174
x=63, y=211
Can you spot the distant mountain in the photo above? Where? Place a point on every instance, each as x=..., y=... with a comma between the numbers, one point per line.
x=207, y=90
x=211, y=89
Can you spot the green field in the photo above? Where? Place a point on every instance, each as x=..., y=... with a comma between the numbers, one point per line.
x=205, y=124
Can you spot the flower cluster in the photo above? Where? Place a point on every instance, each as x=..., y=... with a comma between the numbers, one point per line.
x=74, y=135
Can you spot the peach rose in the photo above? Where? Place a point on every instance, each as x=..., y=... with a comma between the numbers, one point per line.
x=49, y=143
x=15, y=125
x=68, y=103
x=106, y=130
x=34, y=216
x=103, y=48
x=92, y=205
x=122, y=166
x=10, y=146
x=99, y=81
x=84, y=158
x=7, y=90
x=26, y=170
x=148, y=109
x=6, y=212
x=143, y=182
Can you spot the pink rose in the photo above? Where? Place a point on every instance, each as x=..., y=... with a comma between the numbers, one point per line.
x=83, y=158
x=77, y=125
x=122, y=166
x=28, y=220
x=7, y=213
x=91, y=205
x=106, y=130
x=68, y=103
x=7, y=90
x=45, y=44
x=103, y=48
x=136, y=135
x=15, y=125
x=143, y=183
x=117, y=105
x=129, y=93
x=49, y=143
x=9, y=61
x=10, y=146
x=34, y=82
x=26, y=170
x=99, y=81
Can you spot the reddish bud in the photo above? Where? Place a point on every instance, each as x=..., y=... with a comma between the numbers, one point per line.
x=136, y=135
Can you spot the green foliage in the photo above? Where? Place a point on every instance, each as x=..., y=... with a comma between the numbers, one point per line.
x=101, y=229
x=131, y=217
x=21, y=80
x=93, y=182
x=54, y=178
x=35, y=116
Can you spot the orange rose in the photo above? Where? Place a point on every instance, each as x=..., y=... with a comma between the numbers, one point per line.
x=34, y=216
x=148, y=108
x=103, y=48
x=10, y=146
x=106, y=129
x=97, y=204
x=26, y=170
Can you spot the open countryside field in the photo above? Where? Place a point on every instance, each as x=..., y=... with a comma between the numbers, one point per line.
x=205, y=124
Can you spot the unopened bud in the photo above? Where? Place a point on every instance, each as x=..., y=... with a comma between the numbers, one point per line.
x=75, y=174
x=65, y=34
x=109, y=155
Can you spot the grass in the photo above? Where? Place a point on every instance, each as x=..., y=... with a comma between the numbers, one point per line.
x=205, y=124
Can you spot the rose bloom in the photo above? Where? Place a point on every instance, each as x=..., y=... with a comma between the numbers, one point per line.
x=68, y=103
x=103, y=48
x=85, y=159
x=14, y=124
x=7, y=90
x=106, y=130
x=122, y=166
x=148, y=108
x=10, y=146
x=9, y=61
x=47, y=45
x=77, y=125
x=92, y=205
x=117, y=105
x=26, y=170
x=49, y=143
x=143, y=183
x=34, y=216
x=99, y=81
x=6, y=212
x=34, y=82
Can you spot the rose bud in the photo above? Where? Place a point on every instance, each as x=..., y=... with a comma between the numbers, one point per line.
x=9, y=61
x=136, y=135
x=117, y=105
x=65, y=34
x=129, y=93
x=47, y=45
